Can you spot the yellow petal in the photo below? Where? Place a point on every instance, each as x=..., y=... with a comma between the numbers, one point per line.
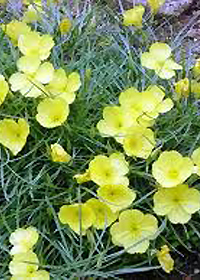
x=160, y=51
x=45, y=73
x=134, y=16
x=28, y=64
x=58, y=154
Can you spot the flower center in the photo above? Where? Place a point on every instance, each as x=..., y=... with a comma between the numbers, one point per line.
x=173, y=174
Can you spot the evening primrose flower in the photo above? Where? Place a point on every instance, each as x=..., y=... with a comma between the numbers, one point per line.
x=83, y=178
x=34, y=44
x=103, y=216
x=172, y=169
x=79, y=217
x=117, y=197
x=159, y=59
x=23, y=240
x=139, y=142
x=134, y=16
x=36, y=275
x=4, y=89
x=115, y=122
x=134, y=231
x=65, y=25
x=109, y=170
x=64, y=86
x=182, y=88
x=196, y=159
x=145, y=105
x=165, y=260
x=155, y=5
x=13, y=134
x=58, y=154
x=14, y=29
x=31, y=14
x=23, y=264
x=52, y=112
x=177, y=203
x=32, y=76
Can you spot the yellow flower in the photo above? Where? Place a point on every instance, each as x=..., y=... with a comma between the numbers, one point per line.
x=195, y=88
x=159, y=59
x=65, y=25
x=109, y=170
x=58, y=154
x=134, y=230
x=52, y=112
x=23, y=264
x=155, y=5
x=115, y=122
x=172, y=169
x=139, y=142
x=177, y=203
x=34, y=44
x=146, y=105
x=36, y=275
x=23, y=240
x=13, y=134
x=83, y=178
x=196, y=68
x=117, y=197
x=31, y=14
x=103, y=216
x=14, y=29
x=134, y=16
x=78, y=216
x=196, y=160
x=32, y=77
x=64, y=86
x=4, y=89
x=182, y=88
x=165, y=260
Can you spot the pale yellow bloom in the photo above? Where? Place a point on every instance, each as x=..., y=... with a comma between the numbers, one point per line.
x=23, y=240
x=13, y=134
x=58, y=154
x=23, y=264
x=165, y=260
x=182, y=88
x=78, y=216
x=134, y=16
x=109, y=170
x=196, y=160
x=134, y=231
x=155, y=5
x=82, y=178
x=34, y=44
x=104, y=216
x=159, y=59
x=65, y=25
x=14, y=29
x=4, y=89
x=177, y=203
x=117, y=197
x=172, y=169
x=52, y=112
x=31, y=14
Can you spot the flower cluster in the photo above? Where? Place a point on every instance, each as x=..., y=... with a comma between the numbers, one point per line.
x=109, y=173
x=174, y=199
x=36, y=78
x=25, y=263
x=129, y=123
x=185, y=86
